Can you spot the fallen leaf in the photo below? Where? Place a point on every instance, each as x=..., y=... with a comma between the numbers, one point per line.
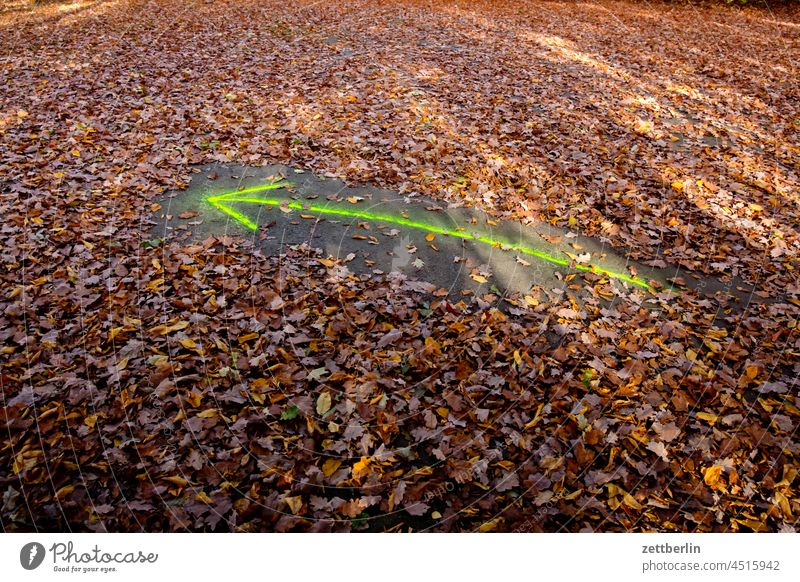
x=323, y=403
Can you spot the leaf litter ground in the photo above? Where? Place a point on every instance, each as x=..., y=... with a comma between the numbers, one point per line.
x=206, y=384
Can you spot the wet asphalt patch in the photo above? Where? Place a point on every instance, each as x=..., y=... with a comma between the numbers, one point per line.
x=377, y=231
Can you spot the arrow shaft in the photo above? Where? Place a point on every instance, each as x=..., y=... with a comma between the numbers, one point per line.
x=223, y=201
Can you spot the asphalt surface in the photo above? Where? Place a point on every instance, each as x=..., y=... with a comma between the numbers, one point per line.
x=377, y=231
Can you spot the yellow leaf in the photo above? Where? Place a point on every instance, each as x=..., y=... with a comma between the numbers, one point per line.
x=330, y=466
x=208, y=413
x=115, y=331
x=90, y=420
x=531, y=301
x=751, y=372
x=294, y=503
x=260, y=384
x=517, y=358
x=193, y=398
x=125, y=398
x=203, y=497
x=753, y=524
x=323, y=403
x=432, y=346
x=489, y=525
x=179, y=481
x=425, y=471
x=155, y=285
x=64, y=491
x=783, y=502
x=25, y=461
x=479, y=278
x=361, y=468
x=354, y=199
x=707, y=416
x=430, y=236
x=188, y=344
x=535, y=419
x=631, y=502
x=677, y=185
x=165, y=329
x=712, y=475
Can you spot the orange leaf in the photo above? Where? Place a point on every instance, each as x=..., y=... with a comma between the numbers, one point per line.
x=712, y=476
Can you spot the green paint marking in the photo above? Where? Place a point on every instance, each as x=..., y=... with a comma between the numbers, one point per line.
x=223, y=203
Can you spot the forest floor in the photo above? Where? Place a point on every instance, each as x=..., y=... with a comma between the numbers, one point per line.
x=203, y=383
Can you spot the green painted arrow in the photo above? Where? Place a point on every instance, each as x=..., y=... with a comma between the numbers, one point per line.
x=224, y=203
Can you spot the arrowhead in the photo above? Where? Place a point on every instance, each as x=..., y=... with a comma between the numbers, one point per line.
x=224, y=202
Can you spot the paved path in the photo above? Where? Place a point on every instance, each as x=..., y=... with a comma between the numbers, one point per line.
x=375, y=230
